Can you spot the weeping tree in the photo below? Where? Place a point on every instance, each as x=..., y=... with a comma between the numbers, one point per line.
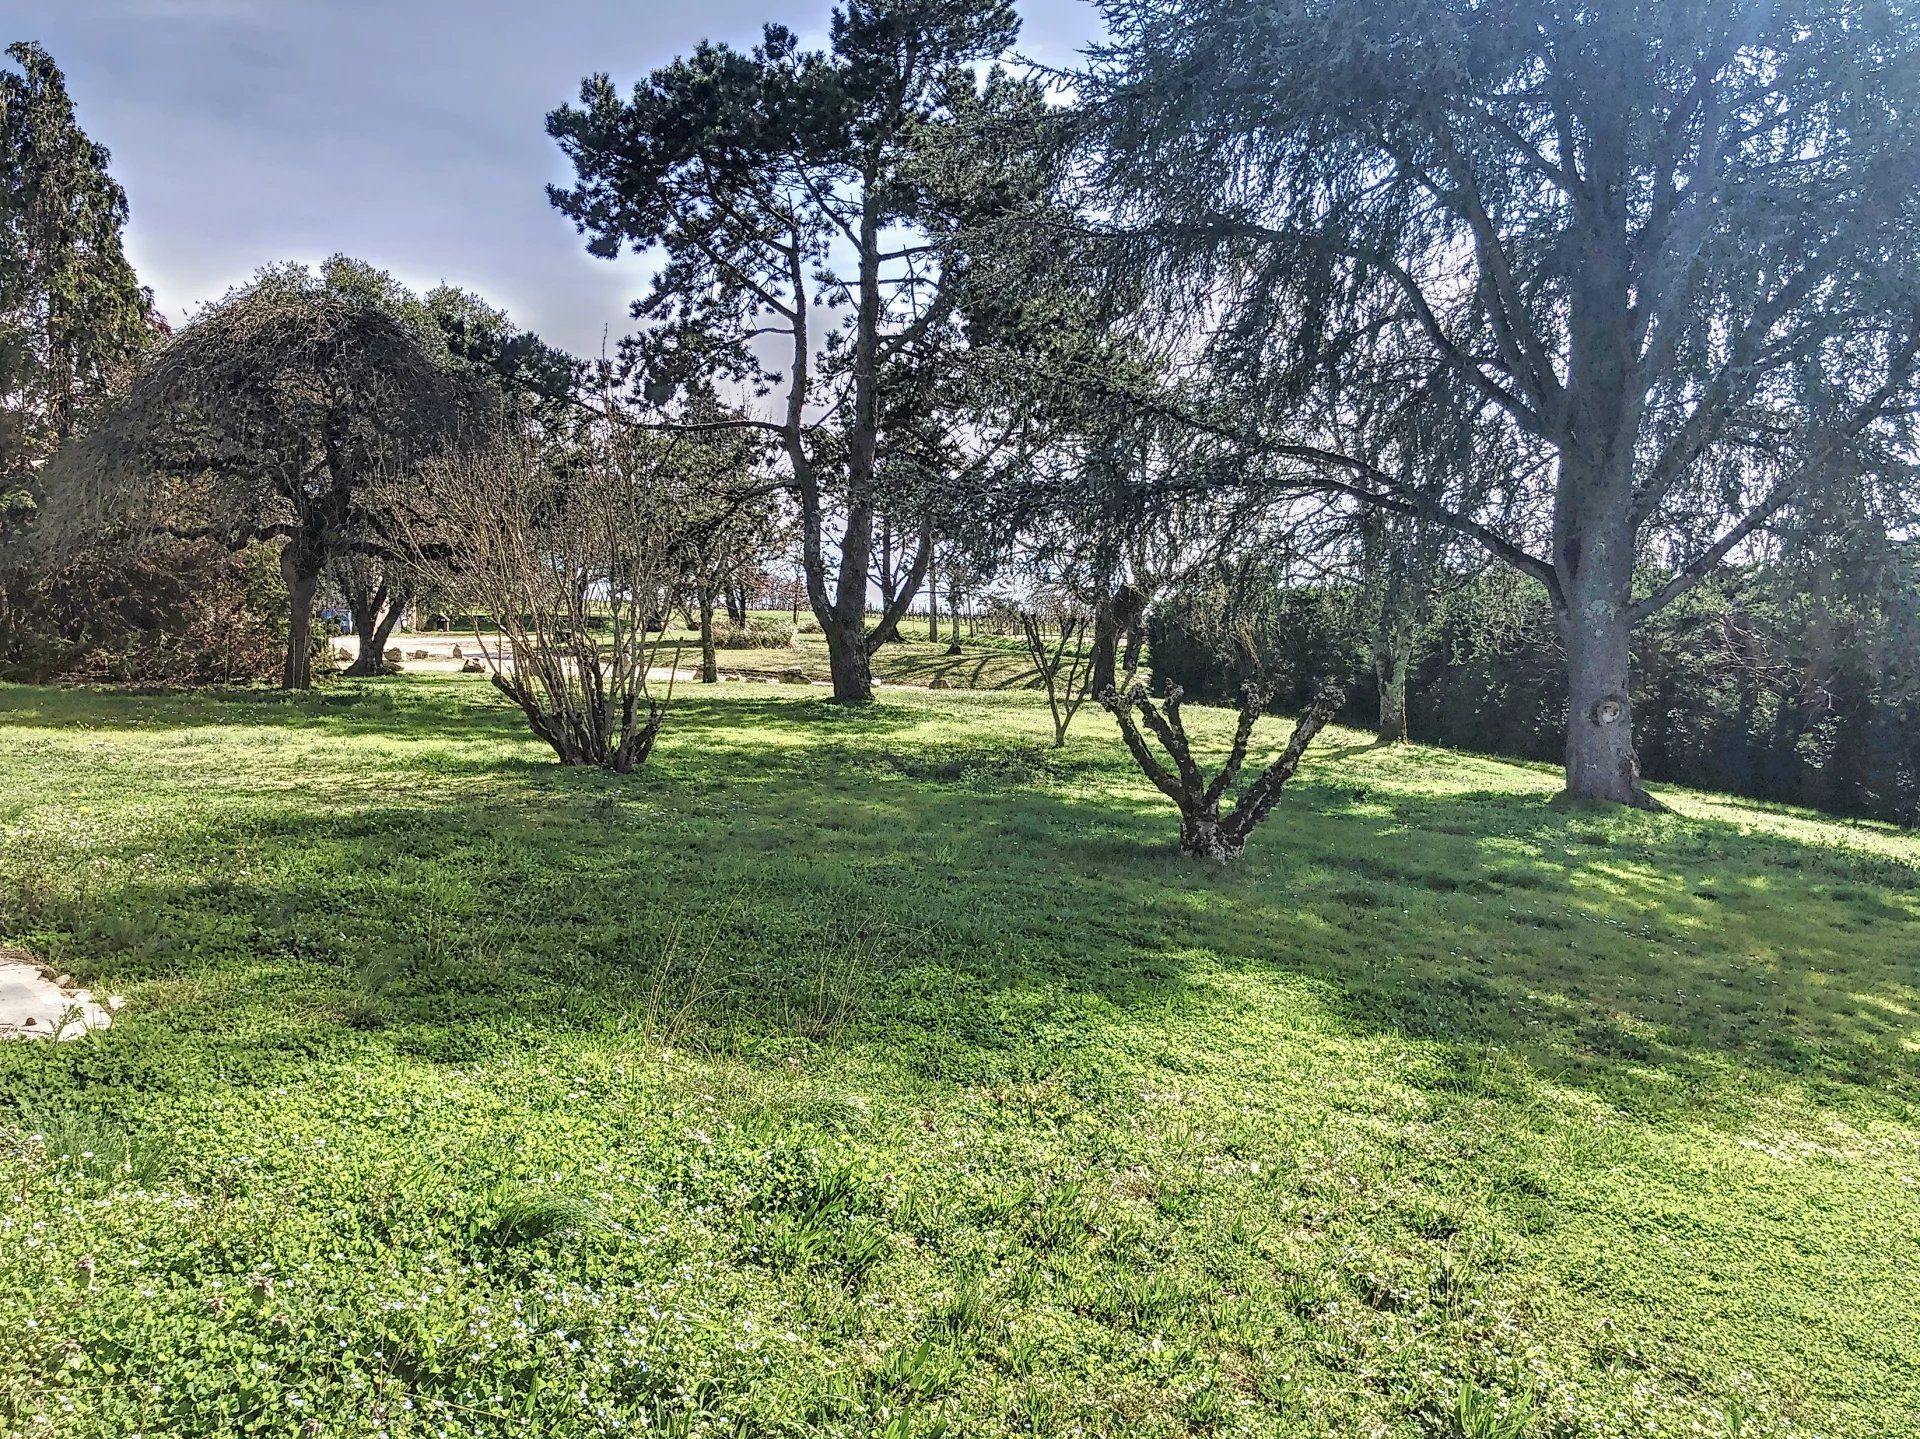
x=481, y=346
x=277, y=416
x=1668, y=242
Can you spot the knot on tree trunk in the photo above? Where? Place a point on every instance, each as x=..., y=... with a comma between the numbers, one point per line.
x=1205, y=833
x=1608, y=709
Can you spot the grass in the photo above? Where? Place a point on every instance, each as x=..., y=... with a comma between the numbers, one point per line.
x=985, y=661
x=886, y=1073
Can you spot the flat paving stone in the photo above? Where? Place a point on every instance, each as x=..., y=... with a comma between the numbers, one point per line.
x=35, y=1005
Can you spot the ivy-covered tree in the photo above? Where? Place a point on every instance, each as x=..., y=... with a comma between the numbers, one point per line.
x=795, y=197
x=1668, y=242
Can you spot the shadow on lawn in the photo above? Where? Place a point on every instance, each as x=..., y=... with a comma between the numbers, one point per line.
x=960, y=920
x=452, y=708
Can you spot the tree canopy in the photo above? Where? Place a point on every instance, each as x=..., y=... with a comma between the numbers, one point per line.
x=1667, y=244
x=794, y=196
x=270, y=418
x=73, y=316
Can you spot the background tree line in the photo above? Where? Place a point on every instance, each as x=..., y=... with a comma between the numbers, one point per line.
x=1343, y=302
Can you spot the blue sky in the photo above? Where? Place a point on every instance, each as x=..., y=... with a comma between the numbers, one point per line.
x=408, y=133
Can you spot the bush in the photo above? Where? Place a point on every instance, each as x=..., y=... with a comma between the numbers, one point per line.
x=1755, y=683
x=758, y=633
x=175, y=614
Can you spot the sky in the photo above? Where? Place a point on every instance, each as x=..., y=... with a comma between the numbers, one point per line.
x=407, y=133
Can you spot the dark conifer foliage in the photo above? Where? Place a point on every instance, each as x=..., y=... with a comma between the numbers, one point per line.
x=1668, y=243
x=805, y=204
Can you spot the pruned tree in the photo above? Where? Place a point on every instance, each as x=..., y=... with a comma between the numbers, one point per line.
x=1062, y=658
x=1206, y=833
x=1669, y=244
x=573, y=559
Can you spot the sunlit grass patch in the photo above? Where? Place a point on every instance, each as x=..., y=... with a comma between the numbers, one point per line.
x=887, y=1071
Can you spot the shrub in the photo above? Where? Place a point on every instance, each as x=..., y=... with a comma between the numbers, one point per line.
x=176, y=613
x=575, y=557
x=758, y=633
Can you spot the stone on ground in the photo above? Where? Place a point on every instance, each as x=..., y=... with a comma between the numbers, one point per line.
x=36, y=1003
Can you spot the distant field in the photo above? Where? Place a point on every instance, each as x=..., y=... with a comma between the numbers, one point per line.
x=985, y=661
x=887, y=1073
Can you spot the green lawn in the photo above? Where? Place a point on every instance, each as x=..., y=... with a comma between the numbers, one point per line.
x=886, y=1073
x=985, y=662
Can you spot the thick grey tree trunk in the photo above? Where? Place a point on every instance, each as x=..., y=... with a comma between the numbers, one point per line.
x=850, y=663
x=1601, y=764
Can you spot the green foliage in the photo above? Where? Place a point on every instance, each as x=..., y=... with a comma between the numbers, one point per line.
x=1790, y=681
x=1213, y=638
x=72, y=315
x=798, y=1087
x=177, y=613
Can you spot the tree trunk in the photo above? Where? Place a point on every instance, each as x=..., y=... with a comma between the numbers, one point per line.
x=1115, y=619
x=366, y=631
x=892, y=603
x=850, y=663
x=1392, y=658
x=1202, y=836
x=374, y=619
x=303, y=582
x=709, y=660
x=1600, y=758
x=933, y=606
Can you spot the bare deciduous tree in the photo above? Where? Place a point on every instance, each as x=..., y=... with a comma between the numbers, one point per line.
x=1064, y=662
x=1204, y=832
x=575, y=564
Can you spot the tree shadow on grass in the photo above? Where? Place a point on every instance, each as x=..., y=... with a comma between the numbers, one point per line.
x=957, y=921
x=965, y=671
x=444, y=709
